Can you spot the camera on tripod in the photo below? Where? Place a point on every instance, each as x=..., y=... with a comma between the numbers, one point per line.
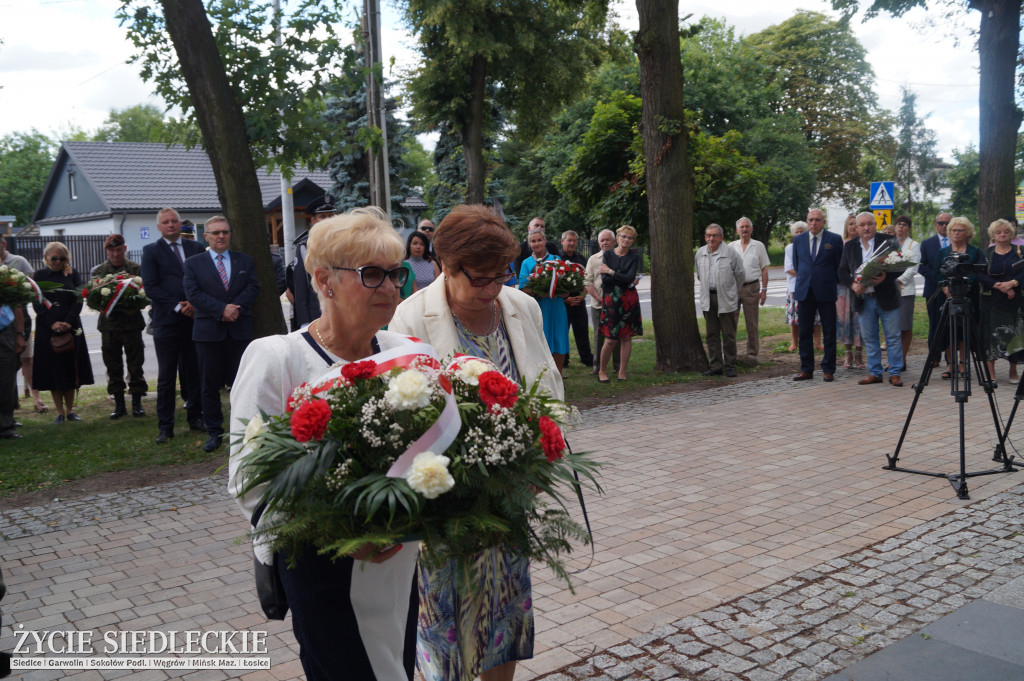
x=957, y=269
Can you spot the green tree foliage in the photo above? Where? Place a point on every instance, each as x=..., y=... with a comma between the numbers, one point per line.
x=352, y=138
x=999, y=61
x=280, y=88
x=139, y=123
x=914, y=161
x=25, y=162
x=525, y=57
x=825, y=78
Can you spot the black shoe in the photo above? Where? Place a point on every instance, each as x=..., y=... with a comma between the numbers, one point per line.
x=10, y=434
x=59, y=419
x=196, y=424
x=730, y=372
x=212, y=444
x=72, y=416
x=712, y=372
x=137, y=409
x=119, y=408
x=164, y=437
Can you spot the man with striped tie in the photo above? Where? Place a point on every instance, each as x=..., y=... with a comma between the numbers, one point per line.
x=221, y=284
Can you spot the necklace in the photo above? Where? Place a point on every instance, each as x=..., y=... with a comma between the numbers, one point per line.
x=492, y=325
x=320, y=336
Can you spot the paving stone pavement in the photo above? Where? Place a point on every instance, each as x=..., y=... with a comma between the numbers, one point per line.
x=747, y=532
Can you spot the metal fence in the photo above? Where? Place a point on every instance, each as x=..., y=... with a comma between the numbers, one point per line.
x=86, y=249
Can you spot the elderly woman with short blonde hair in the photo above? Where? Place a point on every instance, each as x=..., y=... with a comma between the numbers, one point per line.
x=960, y=231
x=1002, y=306
x=62, y=373
x=354, y=617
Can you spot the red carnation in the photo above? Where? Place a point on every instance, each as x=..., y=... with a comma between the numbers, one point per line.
x=309, y=422
x=551, y=439
x=496, y=389
x=357, y=370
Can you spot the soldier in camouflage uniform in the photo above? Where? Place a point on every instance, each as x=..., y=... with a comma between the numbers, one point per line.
x=122, y=331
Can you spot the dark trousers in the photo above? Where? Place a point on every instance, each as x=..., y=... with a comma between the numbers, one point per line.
x=580, y=325
x=826, y=309
x=721, y=334
x=172, y=344
x=934, y=312
x=218, y=365
x=10, y=362
x=325, y=623
x=129, y=342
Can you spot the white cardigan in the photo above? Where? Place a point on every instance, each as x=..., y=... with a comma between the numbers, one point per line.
x=426, y=315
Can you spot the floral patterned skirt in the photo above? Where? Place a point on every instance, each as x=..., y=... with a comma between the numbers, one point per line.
x=474, y=620
x=847, y=319
x=620, y=314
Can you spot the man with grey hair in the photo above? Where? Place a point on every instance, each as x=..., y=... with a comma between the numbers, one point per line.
x=576, y=306
x=878, y=300
x=754, y=291
x=816, y=257
x=720, y=273
x=592, y=285
x=163, y=274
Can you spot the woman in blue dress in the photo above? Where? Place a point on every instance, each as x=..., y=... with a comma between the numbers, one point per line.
x=556, y=319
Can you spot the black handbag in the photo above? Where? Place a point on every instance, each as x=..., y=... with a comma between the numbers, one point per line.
x=269, y=587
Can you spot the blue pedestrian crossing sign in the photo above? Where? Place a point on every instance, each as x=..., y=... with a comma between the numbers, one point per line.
x=882, y=196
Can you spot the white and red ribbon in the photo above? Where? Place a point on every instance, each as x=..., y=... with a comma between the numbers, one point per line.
x=443, y=432
x=39, y=294
x=122, y=286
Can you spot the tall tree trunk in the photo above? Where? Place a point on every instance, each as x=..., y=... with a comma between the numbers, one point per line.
x=999, y=117
x=670, y=190
x=220, y=120
x=472, y=134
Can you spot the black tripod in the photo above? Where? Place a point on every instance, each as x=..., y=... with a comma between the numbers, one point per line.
x=964, y=348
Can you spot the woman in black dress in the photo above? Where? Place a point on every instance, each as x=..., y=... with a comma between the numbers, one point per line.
x=1002, y=311
x=620, y=310
x=60, y=373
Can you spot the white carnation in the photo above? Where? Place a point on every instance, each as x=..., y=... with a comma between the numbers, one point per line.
x=428, y=475
x=469, y=371
x=253, y=429
x=27, y=285
x=137, y=281
x=104, y=291
x=4, y=268
x=408, y=390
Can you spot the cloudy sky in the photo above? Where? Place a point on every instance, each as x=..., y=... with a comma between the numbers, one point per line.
x=62, y=62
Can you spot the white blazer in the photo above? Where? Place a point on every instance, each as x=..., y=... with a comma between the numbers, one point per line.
x=911, y=249
x=426, y=315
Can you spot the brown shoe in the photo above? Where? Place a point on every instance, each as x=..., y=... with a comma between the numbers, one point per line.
x=803, y=376
x=828, y=378
x=896, y=381
x=869, y=379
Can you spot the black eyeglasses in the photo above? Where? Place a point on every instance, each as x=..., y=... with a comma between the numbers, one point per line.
x=372, y=276
x=426, y=229
x=942, y=224
x=57, y=258
x=481, y=282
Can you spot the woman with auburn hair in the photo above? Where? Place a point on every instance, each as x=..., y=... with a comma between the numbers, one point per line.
x=355, y=617
x=620, y=311
x=481, y=628
x=61, y=373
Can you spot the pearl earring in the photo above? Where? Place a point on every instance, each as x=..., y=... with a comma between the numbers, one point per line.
x=330, y=293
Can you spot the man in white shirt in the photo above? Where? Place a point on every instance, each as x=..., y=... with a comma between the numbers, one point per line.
x=720, y=272
x=754, y=290
x=592, y=285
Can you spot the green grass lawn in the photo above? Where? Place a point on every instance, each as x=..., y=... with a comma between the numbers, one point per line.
x=50, y=455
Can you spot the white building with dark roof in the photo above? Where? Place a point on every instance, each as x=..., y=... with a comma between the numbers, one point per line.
x=100, y=188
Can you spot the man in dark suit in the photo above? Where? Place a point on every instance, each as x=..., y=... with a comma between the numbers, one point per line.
x=930, y=248
x=877, y=300
x=163, y=270
x=816, y=257
x=221, y=284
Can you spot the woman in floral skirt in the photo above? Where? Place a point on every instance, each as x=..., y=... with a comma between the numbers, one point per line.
x=620, y=311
